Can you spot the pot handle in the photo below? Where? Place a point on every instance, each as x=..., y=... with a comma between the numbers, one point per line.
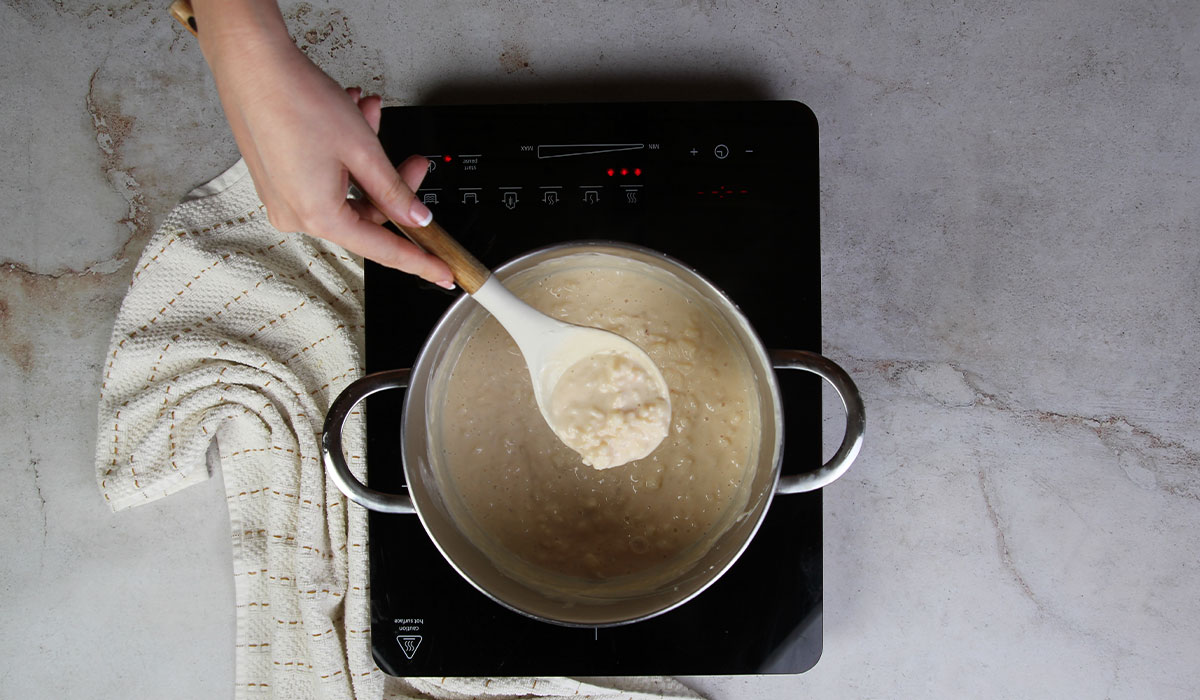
x=856, y=419
x=331, y=443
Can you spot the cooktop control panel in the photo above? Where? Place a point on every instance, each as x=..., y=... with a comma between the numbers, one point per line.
x=583, y=176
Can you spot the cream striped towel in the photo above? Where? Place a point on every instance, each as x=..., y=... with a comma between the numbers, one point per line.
x=233, y=339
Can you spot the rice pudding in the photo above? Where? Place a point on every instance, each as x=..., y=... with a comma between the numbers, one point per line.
x=532, y=502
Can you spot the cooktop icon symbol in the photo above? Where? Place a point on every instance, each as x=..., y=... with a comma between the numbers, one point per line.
x=408, y=644
x=510, y=199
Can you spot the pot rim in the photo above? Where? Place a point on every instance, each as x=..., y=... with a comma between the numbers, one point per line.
x=421, y=366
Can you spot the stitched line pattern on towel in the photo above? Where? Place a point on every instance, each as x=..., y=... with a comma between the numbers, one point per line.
x=335, y=256
x=171, y=430
x=313, y=592
x=205, y=361
x=187, y=286
x=196, y=277
x=312, y=346
x=201, y=324
x=331, y=382
x=196, y=326
x=195, y=232
x=116, y=453
x=121, y=344
x=223, y=385
x=282, y=494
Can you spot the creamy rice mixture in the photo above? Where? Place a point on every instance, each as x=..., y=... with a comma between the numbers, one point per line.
x=535, y=498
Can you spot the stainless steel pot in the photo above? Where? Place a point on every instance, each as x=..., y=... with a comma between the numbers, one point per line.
x=590, y=605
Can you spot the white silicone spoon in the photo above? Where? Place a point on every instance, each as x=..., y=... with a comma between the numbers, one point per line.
x=551, y=347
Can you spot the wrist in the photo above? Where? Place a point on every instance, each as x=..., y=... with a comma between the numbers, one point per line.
x=237, y=27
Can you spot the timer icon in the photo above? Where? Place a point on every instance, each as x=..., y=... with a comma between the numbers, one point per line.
x=721, y=151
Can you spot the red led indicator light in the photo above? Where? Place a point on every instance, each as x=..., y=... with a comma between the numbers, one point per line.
x=446, y=158
x=610, y=172
x=624, y=172
x=637, y=171
x=721, y=192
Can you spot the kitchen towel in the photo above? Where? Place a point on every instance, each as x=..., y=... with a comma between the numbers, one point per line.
x=230, y=344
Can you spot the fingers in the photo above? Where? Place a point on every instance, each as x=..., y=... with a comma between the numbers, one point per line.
x=366, y=210
x=413, y=170
x=390, y=192
x=372, y=110
x=354, y=225
x=372, y=241
x=371, y=107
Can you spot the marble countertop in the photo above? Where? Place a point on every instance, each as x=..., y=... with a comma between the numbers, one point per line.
x=1010, y=215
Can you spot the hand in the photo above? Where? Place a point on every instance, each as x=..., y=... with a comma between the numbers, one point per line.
x=303, y=138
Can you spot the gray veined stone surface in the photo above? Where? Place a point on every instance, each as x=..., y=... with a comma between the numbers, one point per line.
x=1010, y=272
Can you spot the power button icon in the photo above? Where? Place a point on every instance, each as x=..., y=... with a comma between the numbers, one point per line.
x=721, y=151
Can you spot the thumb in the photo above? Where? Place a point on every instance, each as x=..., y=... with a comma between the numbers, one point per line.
x=387, y=190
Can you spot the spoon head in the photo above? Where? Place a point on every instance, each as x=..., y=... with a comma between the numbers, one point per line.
x=602, y=395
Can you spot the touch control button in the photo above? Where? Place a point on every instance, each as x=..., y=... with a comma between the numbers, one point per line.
x=721, y=151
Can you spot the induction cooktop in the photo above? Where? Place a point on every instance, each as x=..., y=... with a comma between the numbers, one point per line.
x=730, y=189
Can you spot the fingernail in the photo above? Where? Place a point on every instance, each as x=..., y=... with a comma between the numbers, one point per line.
x=446, y=284
x=420, y=213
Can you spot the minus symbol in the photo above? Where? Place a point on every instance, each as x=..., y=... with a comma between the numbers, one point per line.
x=749, y=150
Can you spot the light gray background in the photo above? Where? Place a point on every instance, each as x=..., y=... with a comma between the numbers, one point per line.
x=1010, y=271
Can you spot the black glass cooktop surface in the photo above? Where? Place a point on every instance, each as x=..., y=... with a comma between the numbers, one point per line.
x=730, y=189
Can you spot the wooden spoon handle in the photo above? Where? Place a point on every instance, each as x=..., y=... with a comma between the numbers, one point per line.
x=468, y=271
x=182, y=11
